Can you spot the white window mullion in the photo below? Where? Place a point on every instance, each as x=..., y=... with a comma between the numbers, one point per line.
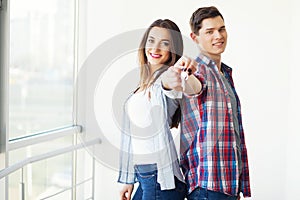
x=4, y=58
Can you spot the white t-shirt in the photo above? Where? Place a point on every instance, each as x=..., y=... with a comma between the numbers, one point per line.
x=146, y=123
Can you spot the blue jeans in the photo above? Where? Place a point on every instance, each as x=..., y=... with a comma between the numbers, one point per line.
x=204, y=194
x=149, y=189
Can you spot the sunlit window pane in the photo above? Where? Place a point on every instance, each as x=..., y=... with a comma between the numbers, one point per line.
x=24, y=153
x=43, y=179
x=41, y=65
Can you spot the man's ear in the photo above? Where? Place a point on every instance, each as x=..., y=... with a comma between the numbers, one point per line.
x=194, y=37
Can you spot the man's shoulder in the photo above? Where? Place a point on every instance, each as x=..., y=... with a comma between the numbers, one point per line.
x=226, y=68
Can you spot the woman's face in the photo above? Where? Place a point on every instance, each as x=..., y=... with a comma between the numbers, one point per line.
x=157, y=47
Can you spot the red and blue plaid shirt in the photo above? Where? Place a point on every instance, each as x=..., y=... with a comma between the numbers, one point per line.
x=209, y=149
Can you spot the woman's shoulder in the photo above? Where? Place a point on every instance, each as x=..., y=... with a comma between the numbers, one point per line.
x=158, y=81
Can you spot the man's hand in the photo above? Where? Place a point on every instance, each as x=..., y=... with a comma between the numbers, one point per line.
x=125, y=193
x=172, y=79
x=187, y=65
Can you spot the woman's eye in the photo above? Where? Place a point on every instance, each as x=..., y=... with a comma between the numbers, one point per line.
x=165, y=44
x=150, y=40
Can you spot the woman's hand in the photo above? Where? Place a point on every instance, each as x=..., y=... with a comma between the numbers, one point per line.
x=125, y=193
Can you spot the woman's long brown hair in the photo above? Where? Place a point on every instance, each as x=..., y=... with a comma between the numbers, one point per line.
x=176, y=50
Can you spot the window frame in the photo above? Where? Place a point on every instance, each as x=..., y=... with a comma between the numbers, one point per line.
x=6, y=145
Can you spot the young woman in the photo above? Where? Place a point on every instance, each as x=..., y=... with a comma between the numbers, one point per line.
x=148, y=154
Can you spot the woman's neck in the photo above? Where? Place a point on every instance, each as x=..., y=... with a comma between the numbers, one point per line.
x=153, y=68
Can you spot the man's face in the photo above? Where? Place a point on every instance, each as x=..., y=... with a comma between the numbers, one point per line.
x=212, y=37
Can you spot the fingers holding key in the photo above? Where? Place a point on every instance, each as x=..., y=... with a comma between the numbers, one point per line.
x=176, y=76
x=187, y=65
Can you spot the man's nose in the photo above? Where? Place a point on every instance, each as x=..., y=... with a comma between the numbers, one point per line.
x=217, y=34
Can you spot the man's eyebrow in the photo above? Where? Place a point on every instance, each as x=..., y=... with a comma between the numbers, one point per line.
x=214, y=28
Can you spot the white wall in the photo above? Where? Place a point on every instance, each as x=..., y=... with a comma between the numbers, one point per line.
x=262, y=50
x=293, y=147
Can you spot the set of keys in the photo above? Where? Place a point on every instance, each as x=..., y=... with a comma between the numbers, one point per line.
x=185, y=73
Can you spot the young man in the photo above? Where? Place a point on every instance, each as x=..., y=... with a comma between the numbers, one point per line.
x=213, y=151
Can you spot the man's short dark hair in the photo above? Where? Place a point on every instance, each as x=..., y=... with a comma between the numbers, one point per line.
x=200, y=14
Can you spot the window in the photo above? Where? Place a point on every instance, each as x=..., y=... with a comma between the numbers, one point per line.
x=43, y=178
x=41, y=66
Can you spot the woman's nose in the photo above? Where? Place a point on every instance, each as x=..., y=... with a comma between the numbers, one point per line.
x=156, y=46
